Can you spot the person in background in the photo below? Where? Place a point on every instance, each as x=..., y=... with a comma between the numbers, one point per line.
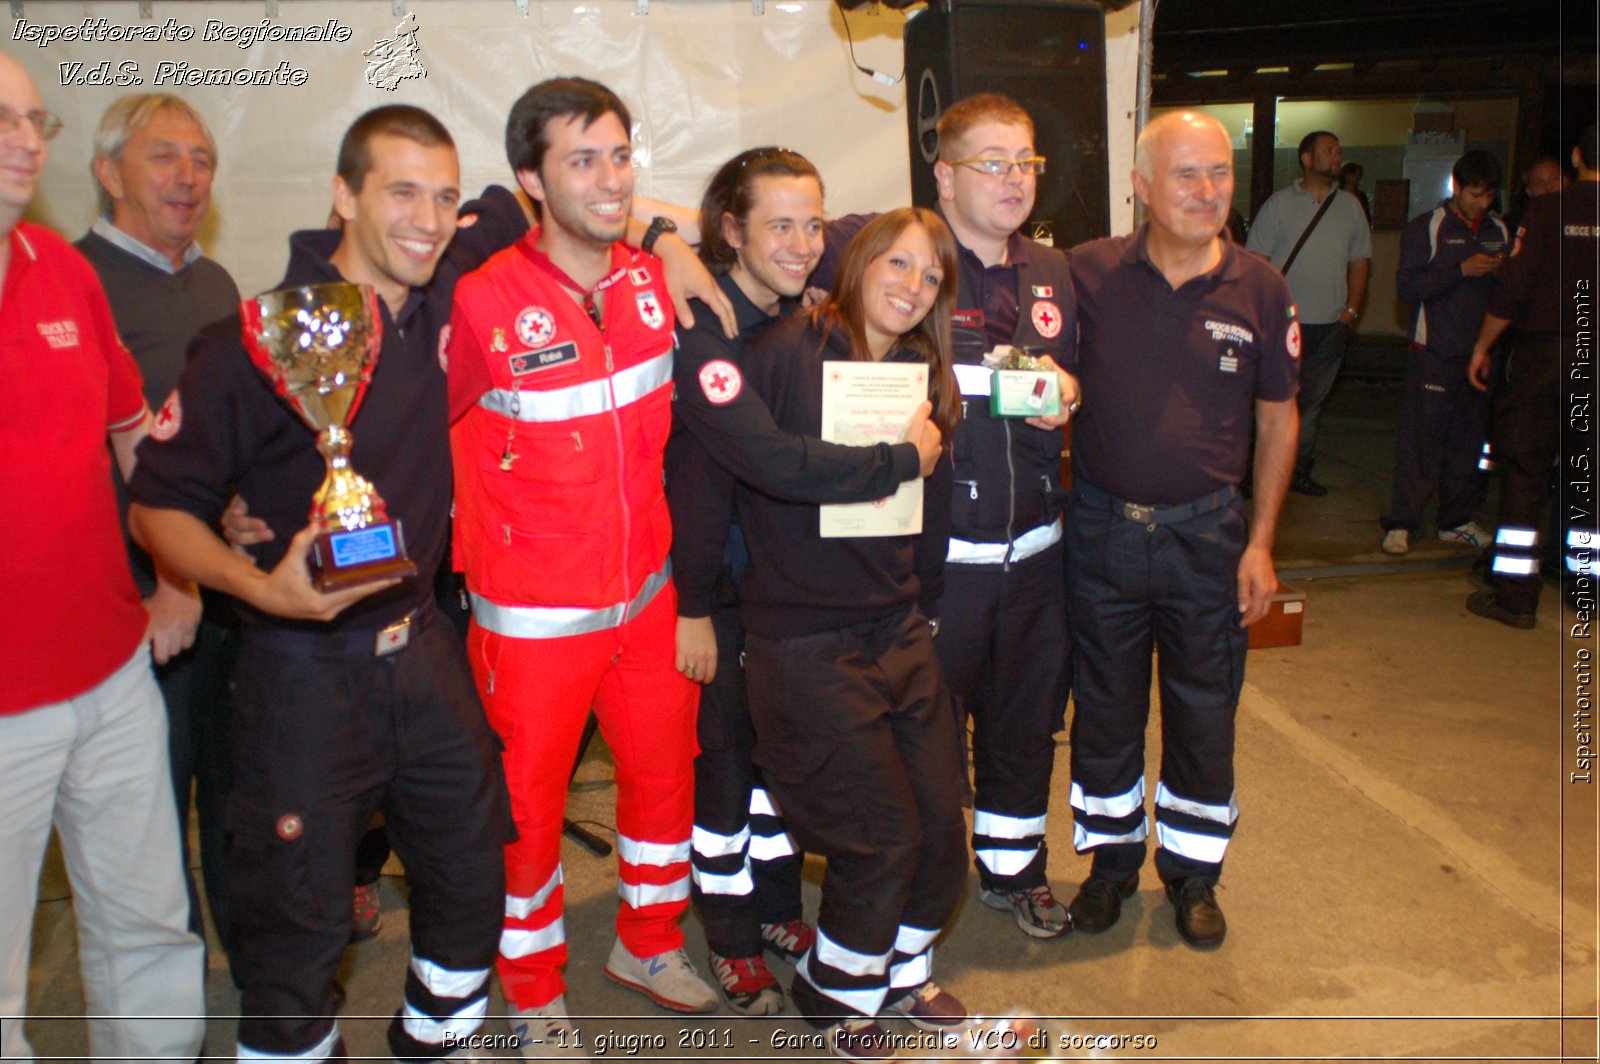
x=154, y=160
x=1350, y=175
x=1448, y=258
x=1540, y=291
x=1327, y=275
x=1539, y=178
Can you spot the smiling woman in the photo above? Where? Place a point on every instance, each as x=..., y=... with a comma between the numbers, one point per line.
x=854, y=731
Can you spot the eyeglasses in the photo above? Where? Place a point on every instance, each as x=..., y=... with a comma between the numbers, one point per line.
x=1000, y=167
x=45, y=124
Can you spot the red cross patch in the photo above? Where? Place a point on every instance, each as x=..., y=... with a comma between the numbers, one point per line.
x=1292, y=339
x=168, y=419
x=1047, y=319
x=650, y=309
x=720, y=381
x=535, y=326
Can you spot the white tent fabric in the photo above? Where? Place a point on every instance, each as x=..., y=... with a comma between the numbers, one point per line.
x=704, y=79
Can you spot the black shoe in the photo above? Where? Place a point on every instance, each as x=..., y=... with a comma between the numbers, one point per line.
x=1098, y=903
x=1200, y=921
x=1302, y=484
x=1487, y=604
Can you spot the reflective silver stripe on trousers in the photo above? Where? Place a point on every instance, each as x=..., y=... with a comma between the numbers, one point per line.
x=1024, y=546
x=556, y=622
x=581, y=400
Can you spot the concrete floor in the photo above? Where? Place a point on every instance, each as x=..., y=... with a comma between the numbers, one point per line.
x=1413, y=877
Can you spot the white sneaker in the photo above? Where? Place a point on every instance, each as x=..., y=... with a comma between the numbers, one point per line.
x=1467, y=535
x=668, y=979
x=546, y=1032
x=1397, y=541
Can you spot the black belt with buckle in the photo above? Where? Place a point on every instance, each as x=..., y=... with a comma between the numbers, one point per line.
x=1151, y=515
x=361, y=641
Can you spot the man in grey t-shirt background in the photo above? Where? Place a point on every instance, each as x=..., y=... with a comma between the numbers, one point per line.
x=1328, y=278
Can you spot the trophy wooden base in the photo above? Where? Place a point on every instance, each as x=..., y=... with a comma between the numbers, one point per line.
x=340, y=559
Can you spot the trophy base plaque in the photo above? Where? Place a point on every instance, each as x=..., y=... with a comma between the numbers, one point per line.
x=349, y=558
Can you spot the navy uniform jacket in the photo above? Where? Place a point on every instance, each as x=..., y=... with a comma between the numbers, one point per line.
x=1447, y=308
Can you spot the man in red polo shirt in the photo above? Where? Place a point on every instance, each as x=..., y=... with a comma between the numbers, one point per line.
x=83, y=734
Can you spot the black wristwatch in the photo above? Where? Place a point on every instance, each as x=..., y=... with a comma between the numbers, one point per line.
x=658, y=225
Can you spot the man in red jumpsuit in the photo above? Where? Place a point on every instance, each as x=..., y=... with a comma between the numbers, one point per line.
x=560, y=368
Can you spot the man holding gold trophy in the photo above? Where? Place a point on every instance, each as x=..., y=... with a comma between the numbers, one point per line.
x=353, y=696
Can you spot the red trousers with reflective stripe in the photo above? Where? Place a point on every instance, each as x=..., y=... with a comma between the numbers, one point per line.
x=538, y=693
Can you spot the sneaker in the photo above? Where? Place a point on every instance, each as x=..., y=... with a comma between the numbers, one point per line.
x=1098, y=903
x=1200, y=920
x=546, y=1033
x=1036, y=909
x=790, y=939
x=747, y=985
x=1487, y=604
x=1467, y=535
x=668, y=979
x=860, y=1038
x=1396, y=541
x=930, y=1008
x=367, y=913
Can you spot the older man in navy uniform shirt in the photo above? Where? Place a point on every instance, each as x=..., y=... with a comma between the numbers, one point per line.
x=1183, y=336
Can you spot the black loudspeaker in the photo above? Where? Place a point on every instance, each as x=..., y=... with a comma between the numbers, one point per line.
x=1049, y=56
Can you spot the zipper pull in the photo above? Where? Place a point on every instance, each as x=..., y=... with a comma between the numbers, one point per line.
x=577, y=442
x=973, y=488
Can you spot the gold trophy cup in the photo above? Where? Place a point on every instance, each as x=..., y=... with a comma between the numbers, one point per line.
x=318, y=346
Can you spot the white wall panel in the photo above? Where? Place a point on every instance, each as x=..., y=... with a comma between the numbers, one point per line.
x=704, y=79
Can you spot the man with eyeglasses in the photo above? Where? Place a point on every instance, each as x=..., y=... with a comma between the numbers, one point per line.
x=83, y=739
x=1002, y=624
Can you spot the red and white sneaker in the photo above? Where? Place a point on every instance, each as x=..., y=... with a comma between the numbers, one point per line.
x=747, y=985
x=791, y=938
x=366, y=914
